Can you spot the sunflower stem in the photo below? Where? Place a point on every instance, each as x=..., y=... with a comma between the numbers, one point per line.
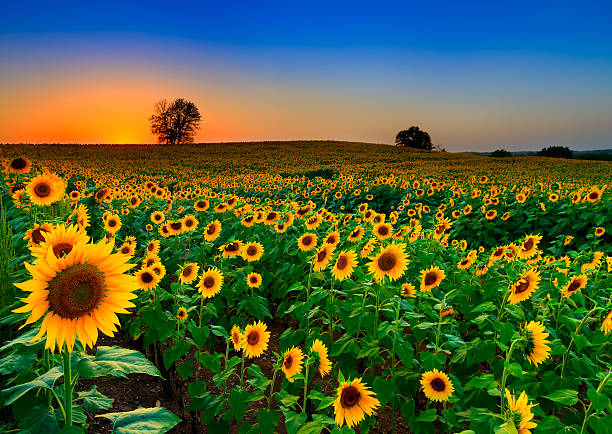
x=47, y=367
x=397, y=312
x=242, y=369
x=505, y=373
x=588, y=410
x=272, y=387
x=331, y=316
x=572, y=340
x=307, y=364
x=67, y=389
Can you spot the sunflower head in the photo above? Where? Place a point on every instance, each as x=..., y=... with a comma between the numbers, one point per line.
x=182, y=314
x=237, y=338
x=189, y=273
x=536, y=348
x=524, y=287
x=436, y=385
x=252, y=251
x=353, y=401
x=292, y=362
x=255, y=339
x=45, y=189
x=254, y=280
x=390, y=262
x=431, y=278
x=210, y=283
x=318, y=351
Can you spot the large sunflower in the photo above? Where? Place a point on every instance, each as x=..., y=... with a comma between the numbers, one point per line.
x=292, y=362
x=19, y=165
x=574, y=285
x=353, y=401
x=431, y=278
x=210, y=283
x=524, y=287
x=61, y=240
x=345, y=264
x=323, y=364
x=80, y=293
x=307, y=242
x=391, y=262
x=536, y=348
x=436, y=385
x=521, y=412
x=252, y=251
x=255, y=339
x=45, y=189
x=382, y=230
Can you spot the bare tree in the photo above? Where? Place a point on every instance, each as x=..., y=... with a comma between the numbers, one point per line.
x=176, y=122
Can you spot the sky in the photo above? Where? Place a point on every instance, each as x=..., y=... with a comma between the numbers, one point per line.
x=477, y=75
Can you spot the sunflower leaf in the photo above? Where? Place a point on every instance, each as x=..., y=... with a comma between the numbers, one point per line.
x=142, y=420
x=115, y=361
x=564, y=396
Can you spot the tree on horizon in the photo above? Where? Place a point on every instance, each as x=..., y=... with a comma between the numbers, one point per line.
x=414, y=137
x=176, y=122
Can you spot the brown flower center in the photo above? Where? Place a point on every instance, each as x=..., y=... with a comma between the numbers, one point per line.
x=62, y=249
x=37, y=235
x=76, y=290
x=19, y=163
x=383, y=230
x=232, y=247
x=321, y=255
x=146, y=277
x=522, y=286
x=176, y=225
x=307, y=240
x=288, y=362
x=253, y=338
x=187, y=271
x=209, y=282
x=349, y=397
x=42, y=189
x=211, y=229
x=438, y=385
x=252, y=251
x=387, y=261
x=574, y=286
x=528, y=244
x=342, y=262
x=430, y=278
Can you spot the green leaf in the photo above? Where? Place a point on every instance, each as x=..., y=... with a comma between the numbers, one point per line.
x=599, y=400
x=142, y=420
x=238, y=401
x=268, y=420
x=174, y=353
x=199, y=335
x=601, y=425
x=385, y=389
x=506, y=428
x=45, y=381
x=93, y=401
x=40, y=421
x=293, y=421
x=287, y=399
x=185, y=369
x=549, y=425
x=313, y=427
x=196, y=389
x=115, y=361
x=485, y=307
x=427, y=415
x=219, y=331
x=564, y=396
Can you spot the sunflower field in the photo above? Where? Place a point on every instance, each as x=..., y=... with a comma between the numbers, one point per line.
x=303, y=287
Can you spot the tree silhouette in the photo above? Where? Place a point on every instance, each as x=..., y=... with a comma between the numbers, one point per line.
x=175, y=123
x=501, y=153
x=556, y=151
x=413, y=137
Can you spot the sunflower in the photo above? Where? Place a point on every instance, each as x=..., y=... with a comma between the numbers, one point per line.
x=536, y=350
x=353, y=401
x=201, y=205
x=431, y=278
x=606, y=324
x=321, y=259
x=465, y=263
x=210, y=283
x=529, y=246
x=147, y=279
x=157, y=217
x=255, y=339
x=491, y=214
x=524, y=287
x=212, y=230
x=80, y=294
x=574, y=285
x=189, y=273
x=254, y=280
x=322, y=362
x=127, y=249
x=237, y=337
x=181, y=314
x=231, y=249
x=344, y=265
x=408, y=290
x=45, y=189
x=292, y=362
x=252, y=251
x=594, y=195
x=391, y=262
x=567, y=240
x=307, y=242
x=333, y=238
x=19, y=165
x=61, y=240
x=520, y=411
x=35, y=236
x=153, y=248
x=190, y=223
x=159, y=269
x=176, y=227
x=437, y=386
x=112, y=224
x=599, y=231
x=382, y=231
x=356, y=234
x=368, y=247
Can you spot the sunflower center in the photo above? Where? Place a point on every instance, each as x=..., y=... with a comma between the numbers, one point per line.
x=253, y=338
x=187, y=271
x=288, y=362
x=321, y=255
x=189, y=223
x=307, y=240
x=331, y=240
x=236, y=338
x=438, y=385
x=387, y=261
x=76, y=290
x=146, y=277
x=593, y=195
x=112, y=223
x=232, y=247
x=176, y=225
x=125, y=250
x=574, y=286
x=253, y=279
x=522, y=286
x=62, y=249
x=211, y=230
x=209, y=282
x=349, y=397
x=342, y=263
x=19, y=163
x=252, y=251
x=37, y=235
x=528, y=244
x=430, y=278
x=42, y=190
